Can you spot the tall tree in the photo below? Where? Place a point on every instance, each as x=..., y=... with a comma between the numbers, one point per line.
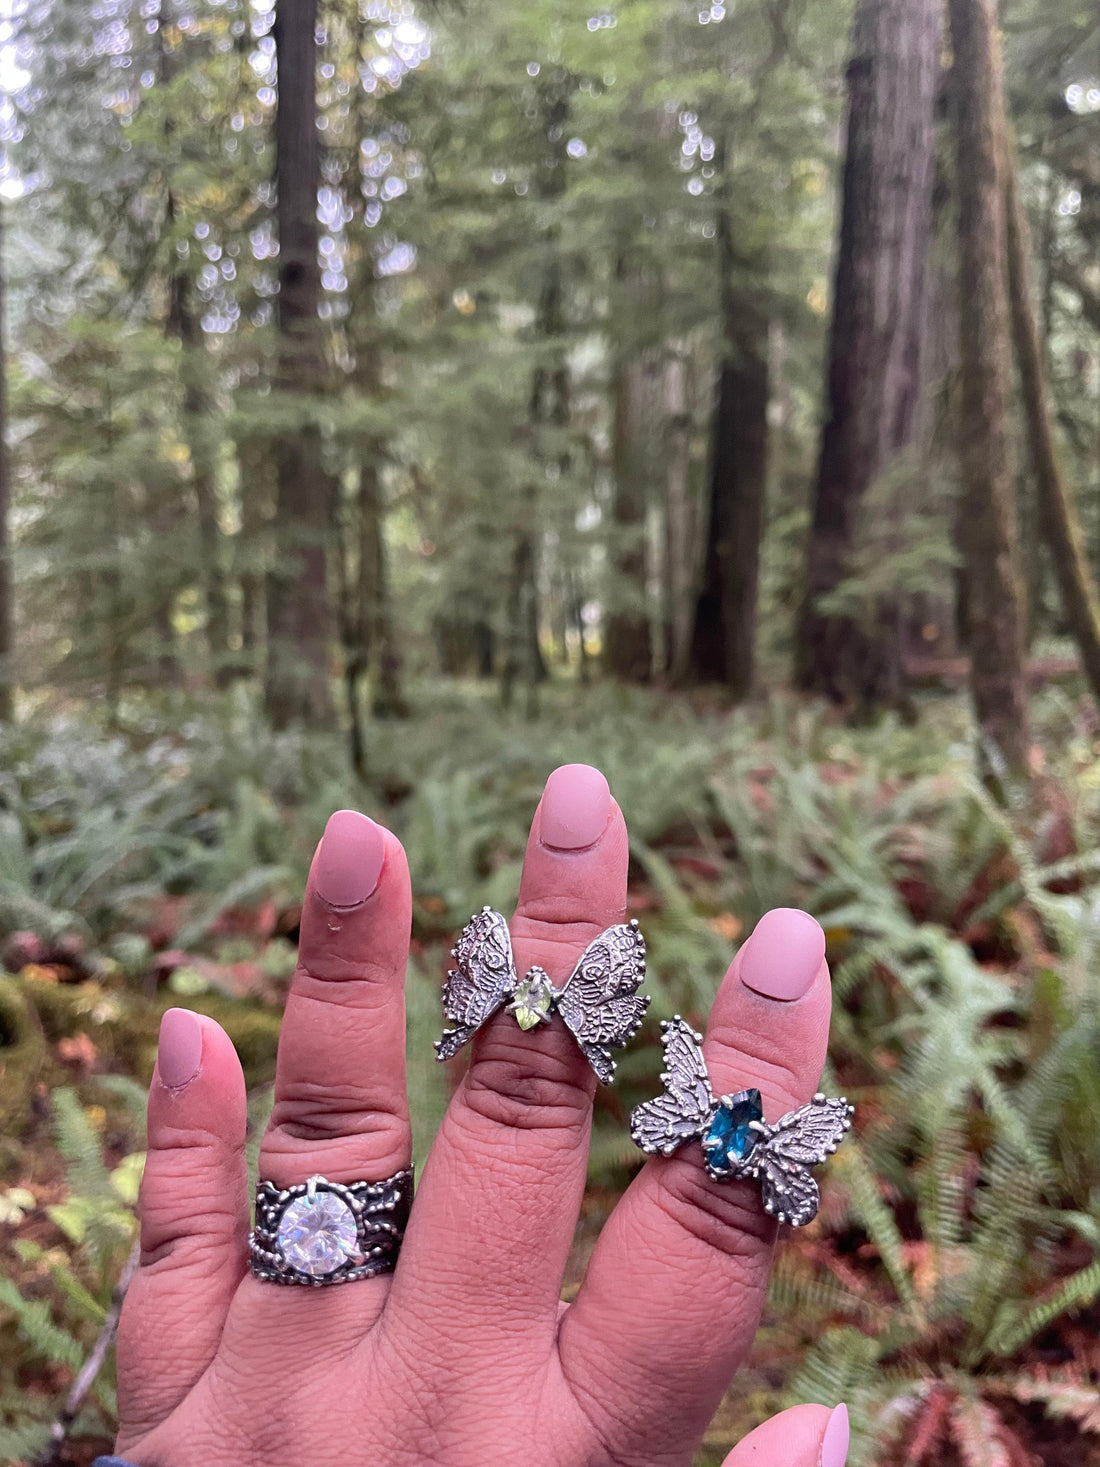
x=876, y=345
x=986, y=521
x=297, y=686
x=7, y=595
x=723, y=637
x=1057, y=514
x=549, y=407
x=628, y=653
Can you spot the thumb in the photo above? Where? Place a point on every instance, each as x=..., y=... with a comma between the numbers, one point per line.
x=804, y=1436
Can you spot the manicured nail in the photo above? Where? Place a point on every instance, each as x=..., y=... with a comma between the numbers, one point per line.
x=781, y=958
x=575, y=807
x=349, y=859
x=179, y=1048
x=834, y=1444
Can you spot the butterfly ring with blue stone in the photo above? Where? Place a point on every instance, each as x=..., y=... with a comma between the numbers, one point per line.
x=599, y=1002
x=737, y=1142
x=320, y=1232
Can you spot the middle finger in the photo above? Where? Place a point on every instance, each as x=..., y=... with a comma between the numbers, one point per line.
x=483, y=1261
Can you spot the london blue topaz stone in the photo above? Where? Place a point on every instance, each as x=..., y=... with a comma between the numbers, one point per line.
x=730, y=1138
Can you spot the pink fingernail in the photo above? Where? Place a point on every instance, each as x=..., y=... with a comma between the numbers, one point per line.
x=349, y=859
x=179, y=1048
x=575, y=807
x=781, y=958
x=834, y=1444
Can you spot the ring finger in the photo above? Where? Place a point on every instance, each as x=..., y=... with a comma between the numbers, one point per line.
x=675, y=1286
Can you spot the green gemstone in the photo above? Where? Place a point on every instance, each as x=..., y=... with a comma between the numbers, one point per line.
x=533, y=1000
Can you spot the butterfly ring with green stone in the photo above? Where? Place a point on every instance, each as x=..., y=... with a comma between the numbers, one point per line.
x=737, y=1142
x=599, y=1002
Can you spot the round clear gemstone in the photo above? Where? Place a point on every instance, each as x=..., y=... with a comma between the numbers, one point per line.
x=318, y=1235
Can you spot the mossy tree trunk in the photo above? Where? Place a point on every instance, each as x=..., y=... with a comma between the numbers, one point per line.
x=986, y=520
x=297, y=687
x=1057, y=515
x=724, y=629
x=877, y=341
x=628, y=650
x=198, y=427
x=7, y=595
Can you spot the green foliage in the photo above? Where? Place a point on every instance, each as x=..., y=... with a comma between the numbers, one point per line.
x=55, y=1297
x=961, y=1224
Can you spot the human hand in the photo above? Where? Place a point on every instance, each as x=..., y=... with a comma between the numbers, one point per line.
x=465, y=1355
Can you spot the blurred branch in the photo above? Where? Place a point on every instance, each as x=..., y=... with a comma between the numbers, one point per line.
x=50, y=1456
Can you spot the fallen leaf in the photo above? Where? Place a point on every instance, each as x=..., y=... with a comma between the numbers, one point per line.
x=38, y=973
x=727, y=926
x=77, y=1050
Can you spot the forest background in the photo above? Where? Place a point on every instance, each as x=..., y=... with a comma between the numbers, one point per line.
x=400, y=400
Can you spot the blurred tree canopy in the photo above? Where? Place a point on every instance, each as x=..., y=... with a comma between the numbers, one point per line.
x=567, y=286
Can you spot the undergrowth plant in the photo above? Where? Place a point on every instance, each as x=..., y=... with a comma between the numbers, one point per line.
x=53, y=1315
x=960, y=1229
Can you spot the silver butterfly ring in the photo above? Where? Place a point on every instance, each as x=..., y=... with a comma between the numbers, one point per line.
x=737, y=1142
x=599, y=1002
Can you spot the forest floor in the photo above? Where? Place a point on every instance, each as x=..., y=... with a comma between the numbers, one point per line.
x=162, y=865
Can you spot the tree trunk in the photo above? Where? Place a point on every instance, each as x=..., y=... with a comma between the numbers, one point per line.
x=1057, y=515
x=380, y=640
x=255, y=491
x=549, y=408
x=682, y=539
x=876, y=346
x=297, y=594
x=7, y=594
x=986, y=521
x=628, y=652
x=196, y=428
x=722, y=648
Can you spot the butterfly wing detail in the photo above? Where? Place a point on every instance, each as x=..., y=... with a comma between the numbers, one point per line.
x=683, y=1112
x=600, y=1002
x=812, y=1132
x=484, y=975
x=789, y=1190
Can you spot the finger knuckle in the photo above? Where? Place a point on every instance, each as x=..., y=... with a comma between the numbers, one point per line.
x=314, y=1111
x=553, y=932
x=776, y=1069
x=523, y=1087
x=728, y=1217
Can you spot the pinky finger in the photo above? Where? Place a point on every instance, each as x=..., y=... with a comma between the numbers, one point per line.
x=194, y=1221
x=804, y=1436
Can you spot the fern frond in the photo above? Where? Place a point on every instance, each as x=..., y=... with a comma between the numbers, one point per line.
x=977, y=1430
x=1015, y=1327
x=877, y=1218
x=1061, y=1399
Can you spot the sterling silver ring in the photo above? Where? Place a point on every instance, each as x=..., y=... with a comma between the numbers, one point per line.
x=320, y=1232
x=599, y=1002
x=737, y=1142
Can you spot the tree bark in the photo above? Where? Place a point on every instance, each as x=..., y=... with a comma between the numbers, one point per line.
x=256, y=494
x=297, y=688
x=723, y=635
x=628, y=651
x=986, y=520
x=877, y=341
x=549, y=408
x=680, y=515
x=7, y=594
x=1057, y=514
x=196, y=417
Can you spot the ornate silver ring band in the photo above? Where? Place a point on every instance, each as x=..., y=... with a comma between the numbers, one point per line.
x=320, y=1232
